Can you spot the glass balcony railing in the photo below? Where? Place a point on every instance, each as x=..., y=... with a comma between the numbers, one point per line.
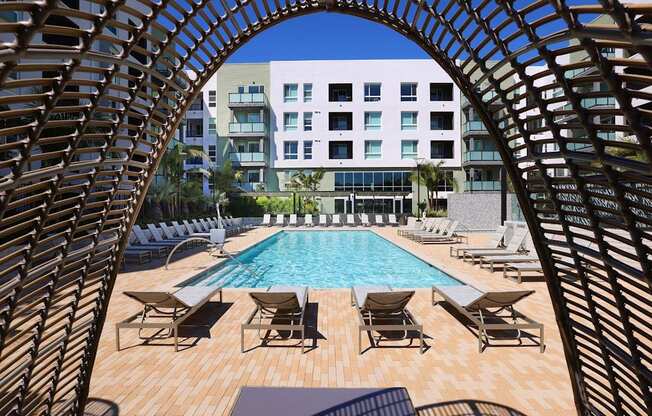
x=247, y=128
x=247, y=157
x=482, y=186
x=251, y=186
x=477, y=155
x=255, y=98
x=477, y=126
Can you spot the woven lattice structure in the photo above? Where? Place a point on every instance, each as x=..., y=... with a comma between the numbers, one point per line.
x=91, y=91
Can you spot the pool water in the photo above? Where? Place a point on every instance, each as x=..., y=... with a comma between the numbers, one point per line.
x=324, y=259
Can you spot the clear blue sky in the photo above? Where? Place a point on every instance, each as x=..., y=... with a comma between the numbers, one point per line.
x=327, y=36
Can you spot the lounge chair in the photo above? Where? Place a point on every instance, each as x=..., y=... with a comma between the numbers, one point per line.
x=156, y=233
x=190, y=229
x=171, y=234
x=350, y=220
x=521, y=268
x=335, y=219
x=494, y=242
x=379, y=220
x=181, y=230
x=382, y=309
x=293, y=220
x=493, y=261
x=280, y=308
x=489, y=311
x=447, y=235
x=513, y=247
x=144, y=241
x=414, y=226
x=364, y=220
x=267, y=220
x=140, y=255
x=280, y=220
x=307, y=220
x=391, y=220
x=199, y=227
x=323, y=220
x=174, y=307
x=427, y=226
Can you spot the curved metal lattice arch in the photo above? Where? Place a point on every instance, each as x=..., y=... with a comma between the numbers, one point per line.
x=92, y=91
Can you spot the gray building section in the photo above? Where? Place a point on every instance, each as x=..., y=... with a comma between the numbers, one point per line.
x=480, y=211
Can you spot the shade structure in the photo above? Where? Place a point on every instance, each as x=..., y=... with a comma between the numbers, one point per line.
x=91, y=92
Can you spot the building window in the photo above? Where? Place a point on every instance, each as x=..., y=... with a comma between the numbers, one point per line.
x=290, y=92
x=194, y=127
x=409, y=149
x=307, y=93
x=340, y=121
x=251, y=89
x=290, y=121
x=408, y=91
x=340, y=150
x=253, y=176
x=195, y=160
x=441, y=120
x=212, y=126
x=408, y=120
x=372, y=91
x=372, y=149
x=446, y=184
x=340, y=92
x=290, y=150
x=441, y=149
x=398, y=181
x=212, y=98
x=441, y=91
x=307, y=121
x=372, y=120
x=307, y=149
x=198, y=104
x=212, y=153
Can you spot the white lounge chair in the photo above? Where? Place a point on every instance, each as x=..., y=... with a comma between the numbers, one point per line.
x=495, y=241
x=391, y=220
x=267, y=220
x=280, y=220
x=144, y=241
x=323, y=220
x=521, y=268
x=514, y=246
x=350, y=220
x=412, y=225
x=380, y=220
x=293, y=220
x=364, y=220
x=335, y=219
x=156, y=234
x=307, y=220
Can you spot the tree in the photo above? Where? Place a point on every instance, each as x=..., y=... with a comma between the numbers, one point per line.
x=301, y=181
x=157, y=196
x=433, y=176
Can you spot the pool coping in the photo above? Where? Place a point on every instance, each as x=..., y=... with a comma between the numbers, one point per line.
x=188, y=277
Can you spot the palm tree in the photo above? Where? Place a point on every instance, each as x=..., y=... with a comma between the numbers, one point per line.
x=157, y=195
x=307, y=182
x=432, y=176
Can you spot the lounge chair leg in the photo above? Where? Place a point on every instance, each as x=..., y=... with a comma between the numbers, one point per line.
x=176, y=338
x=117, y=338
x=542, y=345
x=359, y=341
x=492, y=266
x=303, y=341
x=242, y=340
x=422, y=347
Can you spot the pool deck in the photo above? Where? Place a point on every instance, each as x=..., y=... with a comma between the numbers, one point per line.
x=450, y=378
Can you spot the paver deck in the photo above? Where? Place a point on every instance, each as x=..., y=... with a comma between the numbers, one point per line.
x=204, y=377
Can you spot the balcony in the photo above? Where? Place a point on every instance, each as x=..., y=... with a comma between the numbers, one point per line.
x=250, y=186
x=486, y=98
x=247, y=100
x=477, y=186
x=247, y=158
x=247, y=129
x=472, y=156
x=474, y=127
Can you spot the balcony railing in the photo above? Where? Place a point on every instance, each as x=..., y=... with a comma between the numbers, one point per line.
x=250, y=186
x=482, y=186
x=246, y=128
x=477, y=155
x=247, y=157
x=254, y=98
x=477, y=126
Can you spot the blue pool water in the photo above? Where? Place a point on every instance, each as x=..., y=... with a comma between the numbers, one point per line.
x=325, y=259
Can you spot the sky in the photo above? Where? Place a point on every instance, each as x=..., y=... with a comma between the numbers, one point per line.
x=327, y=36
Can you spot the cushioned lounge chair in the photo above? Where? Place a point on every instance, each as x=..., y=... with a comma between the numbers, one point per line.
x=140, y=255
x=364, y=220
x=350, y=220
x=521, y=268
x=323, y=220
x=447, y=235
x=391, y=220
x=170, y=308
x=307, y=220
x=293, y=220
x=489, y=311
x=412, y=225
x=158, y=235
x=335, y=219
x=280, y=220
x=493, y=261
x=430, y=226
x=267, y=220
x=143, y=241
x=381, y=309
x=495, y=242
x=280, y=308
x=514, y=246
x=380, y=220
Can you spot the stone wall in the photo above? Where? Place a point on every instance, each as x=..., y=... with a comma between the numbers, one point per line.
x=480, y=211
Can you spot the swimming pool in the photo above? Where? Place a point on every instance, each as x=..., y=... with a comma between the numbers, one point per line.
x=324, y=259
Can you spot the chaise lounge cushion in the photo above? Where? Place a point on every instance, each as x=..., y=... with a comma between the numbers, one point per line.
x=463, y=295
x=360, y=292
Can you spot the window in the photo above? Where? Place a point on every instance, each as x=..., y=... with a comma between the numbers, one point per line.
x=290, y=150
x=307, y=149
x=372, y=149
x=441, y=120
x=194, y=127
x=441, y=149
x=372, y=120
x=408, y=91
x=408, y=120
x=212, y=126
x=340, y=121
x=212, y=98
x=195, y=160
x=441, y=91
x=446, y=183
x=212, y=153
x=340, y=150
x=378, y=181
x=409, y=149
x=290, y=92
x=307, y=121
x=198, y=104
x=340, y=92
x=253, y=176
x=307, y=93
x=372, y=91
x=290, y=121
